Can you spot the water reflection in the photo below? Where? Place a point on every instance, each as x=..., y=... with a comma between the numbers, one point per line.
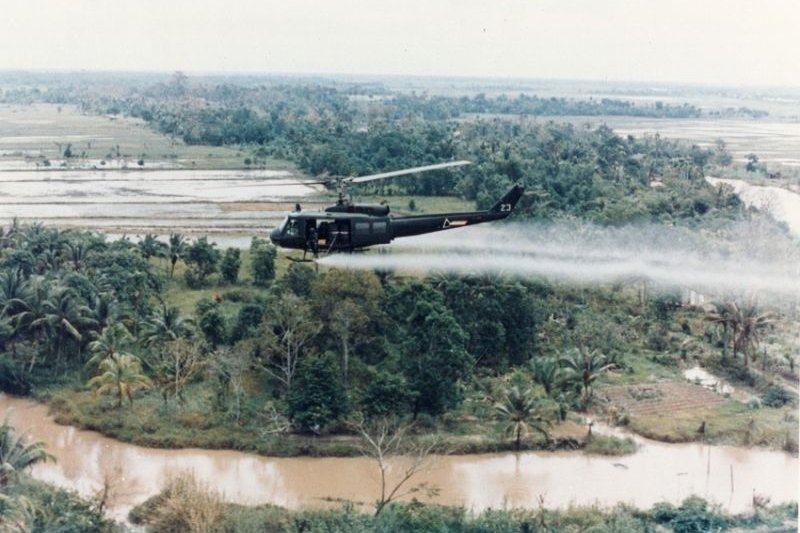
x=658, y=472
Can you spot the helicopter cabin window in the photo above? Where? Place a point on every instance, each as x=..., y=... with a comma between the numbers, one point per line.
x=292, y=228
x=379, y=227
x=362, y=228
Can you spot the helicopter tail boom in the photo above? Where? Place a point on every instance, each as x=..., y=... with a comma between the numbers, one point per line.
x=508, y=201
x=420, y=224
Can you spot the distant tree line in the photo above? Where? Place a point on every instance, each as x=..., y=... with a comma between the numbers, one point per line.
x=590, y=173
x=585, y=172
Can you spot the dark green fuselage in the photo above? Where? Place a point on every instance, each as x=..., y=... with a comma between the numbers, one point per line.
x=347, y=228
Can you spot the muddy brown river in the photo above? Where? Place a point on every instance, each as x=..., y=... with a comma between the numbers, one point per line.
x=657, y=472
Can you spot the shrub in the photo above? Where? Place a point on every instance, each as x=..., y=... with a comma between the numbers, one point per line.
x=58, y=510
x=185, y=504
x=299, y=279
x=317, y=397
x=413, y=517
x=754, y=403
x=320, y=521
x=240, y=296
x=262, y=258
x=694, y=516
x=387, y=394
x=663, y=512
x=202, y=258
x=609, y=445
x=213, y=326
x=231, y=262
x=777, y=396
x=204, y=305
x=192, y=281
x=247, y=322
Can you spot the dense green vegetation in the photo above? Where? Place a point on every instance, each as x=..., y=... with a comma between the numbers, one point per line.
x=178, y=343
x=223, y=354
x=327, y=130
x=593, y=173
x=263, y=364
x=34, y=507
x=336, y=129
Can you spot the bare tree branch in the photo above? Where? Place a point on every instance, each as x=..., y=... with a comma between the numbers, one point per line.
x=384, y=440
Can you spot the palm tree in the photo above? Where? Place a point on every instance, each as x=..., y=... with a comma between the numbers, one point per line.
x=111, y=342
x=77, y=249
x=519, y=409
x=584, y=365
x=751, y=324
x=26, y=312
x=176, y=248
x=34, y=235
x=722, y=315
x=16, y=455
x=12, y=285
x=64, y=317
x=167, y=326
x=742, y=325
x=545, y=372
x=122, y=374
x=105, y=309
x=14, y=233
x=150, y=246
x=47, y=246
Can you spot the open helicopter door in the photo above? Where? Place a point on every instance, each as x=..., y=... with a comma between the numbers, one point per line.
x=334, y=235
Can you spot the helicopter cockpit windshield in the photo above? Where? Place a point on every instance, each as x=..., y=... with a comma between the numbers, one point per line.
x=288, y=231
x=290, y=227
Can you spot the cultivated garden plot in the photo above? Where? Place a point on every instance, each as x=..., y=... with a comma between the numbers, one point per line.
x=659, y=398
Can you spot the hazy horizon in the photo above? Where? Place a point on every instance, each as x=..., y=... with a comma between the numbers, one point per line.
x=739, y=43
x=367, y=76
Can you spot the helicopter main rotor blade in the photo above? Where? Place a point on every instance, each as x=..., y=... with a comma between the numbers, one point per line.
x=294, y=183
x=426, y=168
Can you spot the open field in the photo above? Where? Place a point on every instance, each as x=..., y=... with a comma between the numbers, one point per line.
x=672, y=411
x=39, y=132
x=657, y=398
x=197, y=190
x=774, y=142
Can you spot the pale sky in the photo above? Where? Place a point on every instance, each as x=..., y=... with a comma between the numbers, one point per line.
x=742, y=42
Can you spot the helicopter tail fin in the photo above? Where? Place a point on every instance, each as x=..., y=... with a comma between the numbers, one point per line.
x=508, y=201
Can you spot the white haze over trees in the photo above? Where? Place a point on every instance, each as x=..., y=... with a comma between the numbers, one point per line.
x=748, y=257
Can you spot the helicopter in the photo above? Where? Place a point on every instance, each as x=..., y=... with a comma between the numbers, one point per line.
x=347, y=226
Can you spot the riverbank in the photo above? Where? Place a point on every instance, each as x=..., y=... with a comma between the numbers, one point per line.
x=783, y=204
x=187, y=505
x=87, y=461
x=148, y=423
x=151, y=424
x=650, y=397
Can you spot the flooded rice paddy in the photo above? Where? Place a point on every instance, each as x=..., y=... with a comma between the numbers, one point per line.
x=157, y=201
x=657, y=472
x=775, y=142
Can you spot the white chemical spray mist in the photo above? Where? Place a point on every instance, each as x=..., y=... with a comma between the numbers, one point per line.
x=744, y=257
